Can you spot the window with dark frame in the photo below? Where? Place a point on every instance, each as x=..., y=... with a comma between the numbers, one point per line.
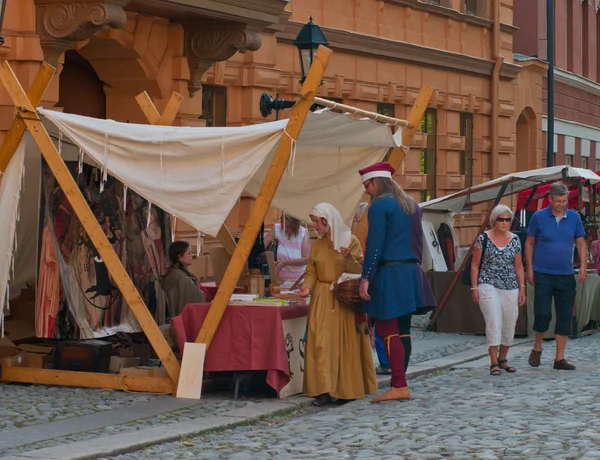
x=466, y=155
x=214, y=105
x=584, y=162
x=429, y=154
x=386, y=110
x=471, y=7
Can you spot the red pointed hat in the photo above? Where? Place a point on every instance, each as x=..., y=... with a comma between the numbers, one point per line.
x=381, y=169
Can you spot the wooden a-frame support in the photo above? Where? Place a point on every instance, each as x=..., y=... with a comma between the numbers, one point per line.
x=166, y=119
x=27, y=119
x=267, y=191
x=397, y=155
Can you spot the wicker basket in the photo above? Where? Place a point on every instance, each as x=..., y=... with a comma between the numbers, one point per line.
x=347, y=294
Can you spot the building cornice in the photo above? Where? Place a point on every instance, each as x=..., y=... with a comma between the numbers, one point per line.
x=369, y=45
x=576, y=81
x=450, y=13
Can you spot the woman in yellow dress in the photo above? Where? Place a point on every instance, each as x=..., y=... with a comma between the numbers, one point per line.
x=338, y=360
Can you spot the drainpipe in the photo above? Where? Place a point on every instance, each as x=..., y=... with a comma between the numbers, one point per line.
x=550, y=57
x=495, y=89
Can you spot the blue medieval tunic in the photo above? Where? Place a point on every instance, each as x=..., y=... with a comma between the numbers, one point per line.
x=394, y=251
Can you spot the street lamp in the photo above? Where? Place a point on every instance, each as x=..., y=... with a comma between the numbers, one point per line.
x=2, y=8
x=308, y=41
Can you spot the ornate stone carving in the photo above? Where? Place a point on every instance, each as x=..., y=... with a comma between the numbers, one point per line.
x=207, y=42
x=62, y=24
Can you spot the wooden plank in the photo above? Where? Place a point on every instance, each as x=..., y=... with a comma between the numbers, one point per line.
x=89, y=221
x=227, y=240
x=397, y=155
x=192, y=368
x=265, y=196
x=148, y=108
x=87, y=380
x=171, y=110
x=17, y=129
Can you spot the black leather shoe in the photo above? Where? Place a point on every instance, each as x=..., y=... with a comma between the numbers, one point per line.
x=564, y=365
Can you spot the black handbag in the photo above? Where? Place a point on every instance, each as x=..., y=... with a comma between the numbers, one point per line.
x=466, y=274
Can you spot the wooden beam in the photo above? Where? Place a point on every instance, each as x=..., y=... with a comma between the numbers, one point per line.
x=171, y=110
x=17, y=129
x=363, y=113
x=227, y=240
x=87, y=380
x=397, y=155
x=265, y=196
x=89, y=221
x=148, y=108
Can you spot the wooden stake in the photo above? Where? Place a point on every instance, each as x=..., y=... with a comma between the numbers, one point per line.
x=265, y=196
x=397, y=156
x=87, y=380
x=88, y=220
x=17, y=129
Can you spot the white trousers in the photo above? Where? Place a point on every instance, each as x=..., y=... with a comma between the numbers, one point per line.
x=500, y=310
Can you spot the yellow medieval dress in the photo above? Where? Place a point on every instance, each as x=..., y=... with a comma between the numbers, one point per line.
x=338, y=357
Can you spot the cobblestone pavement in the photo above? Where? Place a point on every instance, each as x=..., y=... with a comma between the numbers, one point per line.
x=36, y=405
x=463, y=413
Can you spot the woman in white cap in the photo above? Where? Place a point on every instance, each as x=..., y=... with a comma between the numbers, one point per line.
x=338, y=362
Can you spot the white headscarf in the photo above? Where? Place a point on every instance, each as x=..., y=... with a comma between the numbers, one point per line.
x=341, y=235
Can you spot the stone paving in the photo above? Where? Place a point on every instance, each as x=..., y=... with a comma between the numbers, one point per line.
x=36, y=405
x=463, y=413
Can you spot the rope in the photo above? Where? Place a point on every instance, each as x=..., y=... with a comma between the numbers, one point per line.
x=292, y=152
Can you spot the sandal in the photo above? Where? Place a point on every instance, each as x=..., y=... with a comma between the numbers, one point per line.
x=495, y=370
x=504, y=365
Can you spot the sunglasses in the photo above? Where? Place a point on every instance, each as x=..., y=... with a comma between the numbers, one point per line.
x=504, y=219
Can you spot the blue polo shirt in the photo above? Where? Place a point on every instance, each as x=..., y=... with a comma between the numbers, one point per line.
x=554, y=241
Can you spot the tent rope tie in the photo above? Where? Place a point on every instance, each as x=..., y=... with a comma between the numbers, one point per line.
x=406, y=149
x=104, y=175
x=292, y=161
x=222, y=160
x=149, y=214
x=125, y=188
x=198, y=243
x=80, y=162
x=60, y=142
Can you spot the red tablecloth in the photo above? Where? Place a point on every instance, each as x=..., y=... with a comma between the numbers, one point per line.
x=248, y=339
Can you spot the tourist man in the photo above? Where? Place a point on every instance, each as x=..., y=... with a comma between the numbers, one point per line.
x=551, y=236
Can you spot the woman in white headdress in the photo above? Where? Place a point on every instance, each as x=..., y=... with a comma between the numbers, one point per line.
x=338, y=363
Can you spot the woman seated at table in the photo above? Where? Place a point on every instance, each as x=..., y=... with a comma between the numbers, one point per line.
x=293, y=248
x=338, y=361
x=180, y=286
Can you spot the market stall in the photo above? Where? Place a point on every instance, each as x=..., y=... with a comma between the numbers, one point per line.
x=193, y=174
x=456, y=312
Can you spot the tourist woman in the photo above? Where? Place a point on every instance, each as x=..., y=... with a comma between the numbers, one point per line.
x=498, y=285
x=293, y=247
x=180, y=286
x=338, y=360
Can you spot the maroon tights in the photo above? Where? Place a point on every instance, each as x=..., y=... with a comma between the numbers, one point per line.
x=394, y=349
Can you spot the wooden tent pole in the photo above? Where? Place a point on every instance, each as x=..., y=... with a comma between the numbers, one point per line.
x=265, y=196
x=17, y=129
x=356, y=111
x=88, y=220
x=167, y=119
x=397, y=156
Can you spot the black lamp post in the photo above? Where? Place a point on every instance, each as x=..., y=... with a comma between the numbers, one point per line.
x=2, y=8
x=308, y=41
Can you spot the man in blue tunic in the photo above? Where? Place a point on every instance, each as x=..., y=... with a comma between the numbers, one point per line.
x=394, y=286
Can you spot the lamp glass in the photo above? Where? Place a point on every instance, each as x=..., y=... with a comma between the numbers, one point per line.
x=306, y=59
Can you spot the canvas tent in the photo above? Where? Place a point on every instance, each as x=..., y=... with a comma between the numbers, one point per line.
x=229, y=168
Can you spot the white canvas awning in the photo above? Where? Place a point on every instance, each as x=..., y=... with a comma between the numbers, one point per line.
x=517, y=182
x=197, y=174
